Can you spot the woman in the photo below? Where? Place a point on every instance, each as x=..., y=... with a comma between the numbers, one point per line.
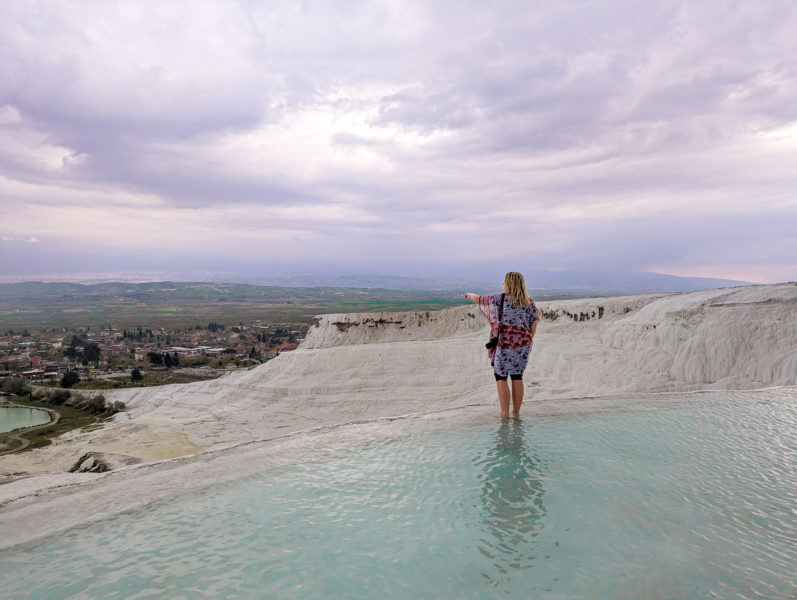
x=515, y=333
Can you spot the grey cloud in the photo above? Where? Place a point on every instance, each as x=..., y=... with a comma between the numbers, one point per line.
x=682, y=239
x=61, y=95
x=427, y=113
x=528, y=95
x=538, y=104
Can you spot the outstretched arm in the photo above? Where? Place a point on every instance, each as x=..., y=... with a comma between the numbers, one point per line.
x=472, y=297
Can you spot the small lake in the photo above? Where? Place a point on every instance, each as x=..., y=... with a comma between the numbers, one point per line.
x=14, y=417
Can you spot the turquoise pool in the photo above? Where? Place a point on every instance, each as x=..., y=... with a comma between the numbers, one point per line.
x=693, y=496
x=14, y=417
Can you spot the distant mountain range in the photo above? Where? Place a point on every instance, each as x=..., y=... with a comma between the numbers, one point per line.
x=625, y=281
x=541, y=282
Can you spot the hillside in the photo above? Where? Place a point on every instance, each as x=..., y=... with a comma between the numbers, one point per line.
x=360, y=367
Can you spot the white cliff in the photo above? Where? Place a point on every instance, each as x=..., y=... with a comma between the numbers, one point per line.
x=359, y=367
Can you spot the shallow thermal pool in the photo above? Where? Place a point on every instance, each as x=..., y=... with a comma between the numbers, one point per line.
x=677, y=496
x=14, y=417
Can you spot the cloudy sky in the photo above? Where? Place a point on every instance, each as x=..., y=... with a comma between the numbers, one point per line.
x=411, y=138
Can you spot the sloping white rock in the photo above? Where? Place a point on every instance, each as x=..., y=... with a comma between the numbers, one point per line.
x=356, y=367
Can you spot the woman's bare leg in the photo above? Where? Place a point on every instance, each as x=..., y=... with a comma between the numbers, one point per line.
x=517, y=396
x=503, y=397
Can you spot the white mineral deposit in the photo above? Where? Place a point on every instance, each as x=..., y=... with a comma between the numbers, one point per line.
x=363, y=367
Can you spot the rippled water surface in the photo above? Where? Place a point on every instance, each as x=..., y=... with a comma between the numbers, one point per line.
x=14, y=417
x=691, y=498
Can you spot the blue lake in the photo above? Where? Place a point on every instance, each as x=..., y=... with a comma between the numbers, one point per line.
x=686, y=498
x=14, y=417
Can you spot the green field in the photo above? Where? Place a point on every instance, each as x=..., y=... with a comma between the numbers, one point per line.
x=150, y=379
x=37, y=305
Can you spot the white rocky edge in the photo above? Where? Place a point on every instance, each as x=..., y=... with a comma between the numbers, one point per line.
x=361, y=367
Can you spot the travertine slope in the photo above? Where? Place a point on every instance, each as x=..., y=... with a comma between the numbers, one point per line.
x=356, y=367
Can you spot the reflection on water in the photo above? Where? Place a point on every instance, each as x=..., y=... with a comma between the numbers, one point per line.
x=512, y=498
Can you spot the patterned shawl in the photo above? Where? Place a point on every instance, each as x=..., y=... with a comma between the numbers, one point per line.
x=516, y=321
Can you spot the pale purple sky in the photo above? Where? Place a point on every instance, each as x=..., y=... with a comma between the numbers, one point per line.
x=409, y=138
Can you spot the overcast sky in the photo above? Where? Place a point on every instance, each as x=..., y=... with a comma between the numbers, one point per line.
x=411, y=138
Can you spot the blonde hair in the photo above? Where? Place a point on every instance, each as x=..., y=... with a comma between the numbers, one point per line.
x=516, y=288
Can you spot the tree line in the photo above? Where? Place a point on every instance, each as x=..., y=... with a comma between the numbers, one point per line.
x=81, y=349
x=164, y=359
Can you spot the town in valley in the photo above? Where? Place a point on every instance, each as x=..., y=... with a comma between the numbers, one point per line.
x=113, y=353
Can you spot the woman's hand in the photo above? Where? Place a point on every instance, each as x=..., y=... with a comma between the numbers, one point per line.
x=472, y=297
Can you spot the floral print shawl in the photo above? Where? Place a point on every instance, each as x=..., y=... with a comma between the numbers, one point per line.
x=515, y=339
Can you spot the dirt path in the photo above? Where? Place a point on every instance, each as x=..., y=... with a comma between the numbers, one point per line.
x=12, y=437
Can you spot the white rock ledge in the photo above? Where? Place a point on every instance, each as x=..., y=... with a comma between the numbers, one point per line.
x=361, y=367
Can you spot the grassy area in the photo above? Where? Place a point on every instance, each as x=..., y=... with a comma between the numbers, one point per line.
x=152, y=378
x=71, y=418
x=180, y=305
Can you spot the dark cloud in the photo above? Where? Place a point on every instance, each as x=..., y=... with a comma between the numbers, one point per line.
x=397, y=132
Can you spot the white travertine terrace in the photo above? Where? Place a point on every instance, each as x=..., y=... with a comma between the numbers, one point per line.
x=360, y=367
